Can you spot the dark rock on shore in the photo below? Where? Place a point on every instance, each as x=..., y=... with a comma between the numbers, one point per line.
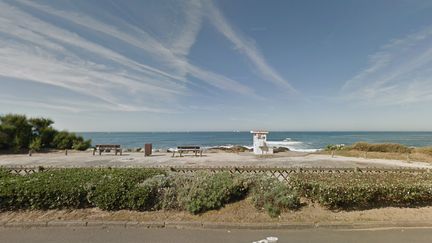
x=280, y=150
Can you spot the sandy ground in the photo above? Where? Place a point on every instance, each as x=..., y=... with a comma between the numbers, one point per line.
x=209, y=159
x=239, y=212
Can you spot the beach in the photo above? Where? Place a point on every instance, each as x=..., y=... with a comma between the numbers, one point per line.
x=210, y=158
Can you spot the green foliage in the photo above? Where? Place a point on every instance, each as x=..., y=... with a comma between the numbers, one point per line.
x=150, y=189
x=333, y=147
x=358, y=191
x=3, y=139
x=71, y=188
x=18, y=133
x=212, y=191
x=64, y=140
x=80, y=144
x=4, y=173
x=274, y=196
x=116, y=188
x=380, y=147
x=67, y=140
x=36, y=144
x=148, y=195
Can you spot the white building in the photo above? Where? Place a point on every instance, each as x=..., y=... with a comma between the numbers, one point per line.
x=260, y=145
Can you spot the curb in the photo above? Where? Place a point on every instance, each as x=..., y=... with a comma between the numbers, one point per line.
x=215, y=225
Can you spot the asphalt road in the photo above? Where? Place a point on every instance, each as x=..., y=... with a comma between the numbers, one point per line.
x=132, y=235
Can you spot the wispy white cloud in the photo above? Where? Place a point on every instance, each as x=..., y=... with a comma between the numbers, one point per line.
x=248, y=48
x=31, y=48
x=399, y=73
x=171, y=55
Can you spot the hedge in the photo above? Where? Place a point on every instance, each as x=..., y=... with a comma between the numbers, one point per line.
x=71, y=188
x=152, y=189
x=361, y=191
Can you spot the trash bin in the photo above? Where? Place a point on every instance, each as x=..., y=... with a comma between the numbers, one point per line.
x=148, y=149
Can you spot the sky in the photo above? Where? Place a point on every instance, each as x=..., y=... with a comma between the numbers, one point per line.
x=202, y=65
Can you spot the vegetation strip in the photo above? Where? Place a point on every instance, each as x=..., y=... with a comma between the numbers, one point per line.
x=155, y=189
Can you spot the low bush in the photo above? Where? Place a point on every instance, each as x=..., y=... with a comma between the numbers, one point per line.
x=71, y=188
x=274, y=196
x=36, y=144
x=360, y=191
x=380, y=147
x=150, y=189
x=333, y=147
x=112, y=190
x=211, y=191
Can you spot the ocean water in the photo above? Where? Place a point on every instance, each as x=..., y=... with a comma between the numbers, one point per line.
x=295, y=141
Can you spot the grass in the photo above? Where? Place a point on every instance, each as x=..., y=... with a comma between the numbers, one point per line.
x=382, y=151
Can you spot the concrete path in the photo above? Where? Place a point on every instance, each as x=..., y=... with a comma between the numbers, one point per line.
x=135, y=235
x=290, y=159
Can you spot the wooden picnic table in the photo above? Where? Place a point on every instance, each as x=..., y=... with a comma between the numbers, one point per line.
x=107, y=147
x=185, y=149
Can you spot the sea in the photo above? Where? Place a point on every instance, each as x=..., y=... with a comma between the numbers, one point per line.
x=295, y=141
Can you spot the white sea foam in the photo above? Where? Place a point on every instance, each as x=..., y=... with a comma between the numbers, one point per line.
x=296, y=146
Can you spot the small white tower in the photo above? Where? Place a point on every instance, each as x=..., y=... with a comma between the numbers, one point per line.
x=260, y=143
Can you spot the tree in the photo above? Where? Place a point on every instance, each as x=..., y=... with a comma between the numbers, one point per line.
x=16, y=130
x=42, y=128
x=18, y=133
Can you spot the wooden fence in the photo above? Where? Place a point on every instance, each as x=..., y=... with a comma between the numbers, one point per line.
x=281, y=173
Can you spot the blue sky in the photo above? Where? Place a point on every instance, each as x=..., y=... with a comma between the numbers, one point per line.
x=163, y=65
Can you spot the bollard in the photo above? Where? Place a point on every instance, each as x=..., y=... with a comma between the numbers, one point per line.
x=66, y=151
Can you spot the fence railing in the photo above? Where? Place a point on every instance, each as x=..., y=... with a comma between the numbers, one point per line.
x=281, y=173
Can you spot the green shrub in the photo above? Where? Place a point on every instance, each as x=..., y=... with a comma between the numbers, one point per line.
x=358, y=190
x=64, y=140
x=80, y=144
x=36, y=144
x=332, y=147
x=112, y=191
x=211, y=191
x=148, y=195
x=5, y=173
x=381, y=147
x=71, y=188
x=17, y=133
x=57, y=189
x=274, y=196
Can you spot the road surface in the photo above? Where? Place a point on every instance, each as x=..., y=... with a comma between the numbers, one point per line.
x=135, y=235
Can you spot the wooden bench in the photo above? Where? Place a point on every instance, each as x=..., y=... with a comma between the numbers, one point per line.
x=185, y=149
x=104, y=147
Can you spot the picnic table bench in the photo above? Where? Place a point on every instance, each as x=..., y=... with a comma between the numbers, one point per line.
x=107, y=147
x=185, y=149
